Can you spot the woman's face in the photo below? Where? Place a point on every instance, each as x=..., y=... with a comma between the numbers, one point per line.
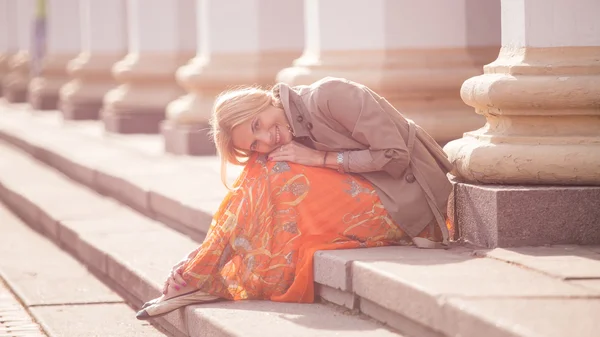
x=264, y=133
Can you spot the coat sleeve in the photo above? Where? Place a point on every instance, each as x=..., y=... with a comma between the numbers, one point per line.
x=359, y=110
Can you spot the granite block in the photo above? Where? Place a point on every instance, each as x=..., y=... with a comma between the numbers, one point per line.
x=507, y=216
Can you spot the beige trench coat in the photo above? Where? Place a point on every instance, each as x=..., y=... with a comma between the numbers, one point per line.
x=408, y=167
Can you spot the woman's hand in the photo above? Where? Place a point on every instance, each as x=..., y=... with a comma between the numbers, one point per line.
x=175, y=280
x=298, y=153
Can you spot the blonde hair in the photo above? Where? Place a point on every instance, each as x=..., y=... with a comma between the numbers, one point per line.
x=232, y=108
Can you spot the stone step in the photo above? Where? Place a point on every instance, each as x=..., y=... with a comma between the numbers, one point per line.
x=132, y=254
x=59, y=292
x=421, y=292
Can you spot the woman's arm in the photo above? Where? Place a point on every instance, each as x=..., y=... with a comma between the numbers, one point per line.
x=360, y=111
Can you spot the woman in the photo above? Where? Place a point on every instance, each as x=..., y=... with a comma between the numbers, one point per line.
x=327, y=166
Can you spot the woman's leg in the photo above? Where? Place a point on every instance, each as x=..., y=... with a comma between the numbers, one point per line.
x=263, y=236
x=273, y=222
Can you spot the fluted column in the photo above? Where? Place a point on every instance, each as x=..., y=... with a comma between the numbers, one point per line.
x=104, y=42
x=242, y=42
x=520, y=177
x=161, y=39
x=541, y=99
x=62, y=43
x=8, y=36
x=414, y=53
x=15, y=83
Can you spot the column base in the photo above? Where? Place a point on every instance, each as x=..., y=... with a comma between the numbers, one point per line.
x=4, y=58
x=190, y=139
x=144, y=120
x=82, y=97
x=508, y=215
x=205, y=77
x=15, y=83
x=80, y=110
x=15, y=95
x=147, y=85
x=44, y=89
x=43, y=101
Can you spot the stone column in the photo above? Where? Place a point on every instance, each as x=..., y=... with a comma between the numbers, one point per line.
x=161, y=39
x=104, y=42
x=62, y=45
x=414, y=53
x=541, y=99
x=15, y=83
x=8, y=36
x=242, y=42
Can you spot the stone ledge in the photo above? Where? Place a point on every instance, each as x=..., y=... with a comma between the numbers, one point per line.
x=159, y=188
x=508, y=216
x=113, y=319
x=64, y=297
x=563, y=262
x=282, y=319
x=415, y=285
x=524, y=317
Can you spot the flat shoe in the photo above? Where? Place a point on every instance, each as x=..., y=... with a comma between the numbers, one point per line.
x=157, y=309
x=149, y=303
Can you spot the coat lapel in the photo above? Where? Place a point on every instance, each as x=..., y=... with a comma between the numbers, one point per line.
x=295, y=111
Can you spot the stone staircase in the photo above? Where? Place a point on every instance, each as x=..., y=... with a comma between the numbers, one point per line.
x=47, y=292
x=129, y=212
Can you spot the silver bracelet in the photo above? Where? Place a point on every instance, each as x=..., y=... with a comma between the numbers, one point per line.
x=340, y=162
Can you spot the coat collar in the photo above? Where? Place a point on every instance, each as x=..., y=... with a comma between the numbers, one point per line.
x=295, y=110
